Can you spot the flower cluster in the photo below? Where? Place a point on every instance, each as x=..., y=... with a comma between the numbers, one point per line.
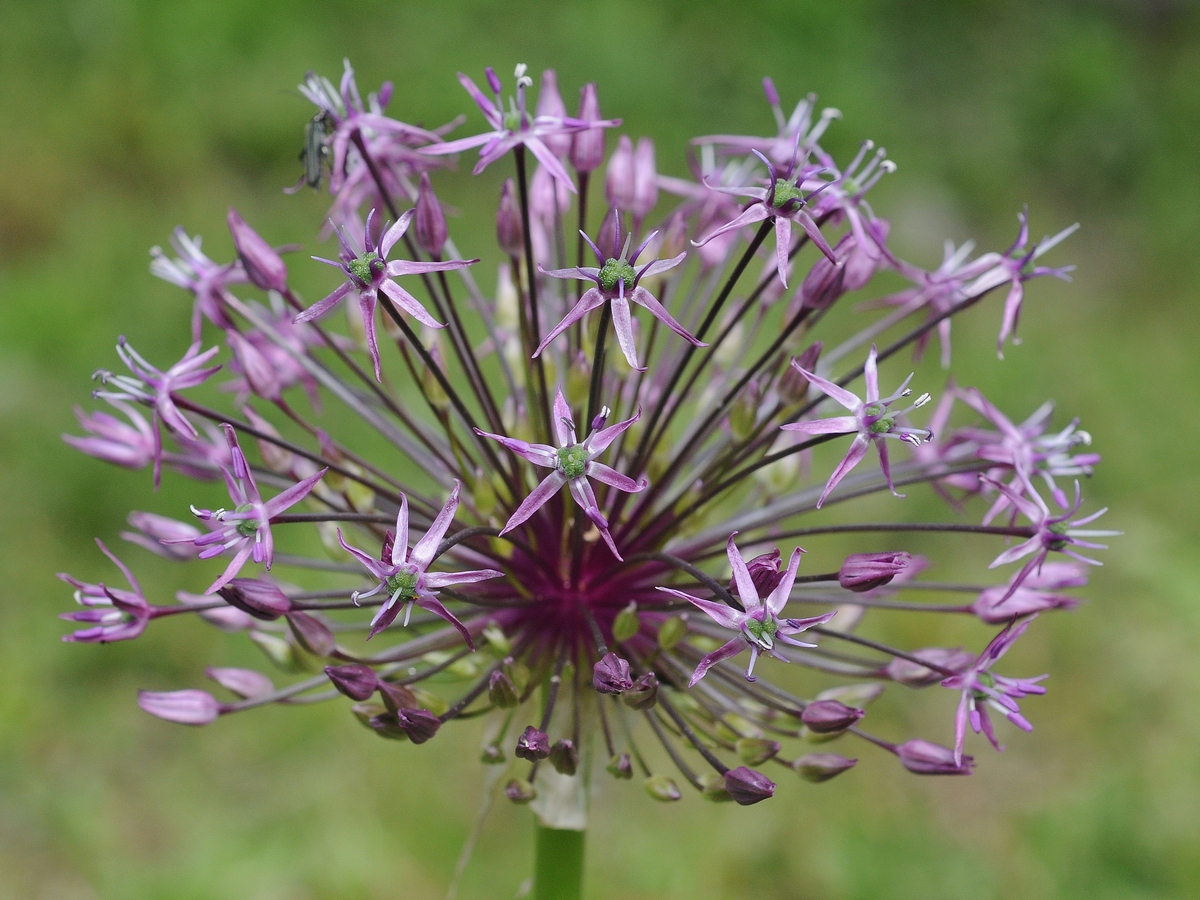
x=608, y=614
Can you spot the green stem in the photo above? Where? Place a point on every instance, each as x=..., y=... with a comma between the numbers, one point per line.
x=558, y=864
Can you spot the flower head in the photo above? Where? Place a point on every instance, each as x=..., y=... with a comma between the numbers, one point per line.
x=115, y=614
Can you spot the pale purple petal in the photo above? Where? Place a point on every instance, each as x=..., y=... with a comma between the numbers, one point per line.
x=394, y=234
x=422, y=553
x=606, y=475
x=550, y=486
x=733, y=648
x=592, y=299
x=408, y=303
x=858, y=449
x=643, y=297
x=778, y=598
x=835, y=425
x=834, y=391
x=623, y=326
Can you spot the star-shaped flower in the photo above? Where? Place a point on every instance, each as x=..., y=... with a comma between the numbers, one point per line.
x=404, y=574
x=872, y=419
x=617, y=282
x=246, y=529
x=981, y=689
x=369, y=272
x=573, y=462
x=759, y=626
x=115, y=614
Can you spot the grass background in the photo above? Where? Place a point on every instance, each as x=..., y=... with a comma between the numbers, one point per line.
x=123, y=119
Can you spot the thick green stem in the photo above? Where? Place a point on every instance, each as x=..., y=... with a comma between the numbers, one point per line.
x=558, y=864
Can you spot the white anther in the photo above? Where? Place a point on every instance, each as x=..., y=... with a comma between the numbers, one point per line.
x=888, y=166
x=921, y=401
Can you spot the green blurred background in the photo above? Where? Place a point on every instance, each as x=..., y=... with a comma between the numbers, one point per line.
x=123, y=119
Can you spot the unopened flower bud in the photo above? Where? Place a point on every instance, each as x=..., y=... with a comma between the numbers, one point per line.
x=261, y=263
x=712, y=788
x=793, y=387
x=862, y=572
x=618, y=180
x=756, y=751
x=610, y=675
x=587, y=147
x=825, y=282
x=260, y=375
x=386, y=725
x=626, y=624
x=533, y=744
x=256, y=596
x=608, y=238
x=748, y=786
x=356, y=681
x=674, y=236
x=509, y=232
x=397, y=696
x=671, y=632
x=644, y=693
x=184, y=707
x=243, y=682
x=279, y=650
x=818, y=767
x=550, y=103
x=925, y=758
x=429, y=223
x=419, y=724
x=502, y=692
x=564, y=757
x=645, y=180
x=662, y=788
x=764, y=572
x=915, y=675
x=312, y=634
x=620, y=766
x=829, y=716
x=518, y=790
x=164, y=537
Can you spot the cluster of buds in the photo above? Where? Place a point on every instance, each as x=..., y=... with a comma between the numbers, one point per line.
x=608, y=614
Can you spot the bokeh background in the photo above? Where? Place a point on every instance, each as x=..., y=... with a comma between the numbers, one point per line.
x=120, y=119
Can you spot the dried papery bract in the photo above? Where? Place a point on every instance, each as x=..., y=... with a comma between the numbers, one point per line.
x=599, y=622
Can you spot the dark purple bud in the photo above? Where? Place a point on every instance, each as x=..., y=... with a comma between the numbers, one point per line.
x=643, y=694
x=611, y=675
x=826, y=282
x=587, y=147
x=312, y=634
x=518, y=790
x=620, y=766
x=165, y=537
x=397, y=696
x=429, y=223
x=925, y=758
x=829, y=716
x=619, y=180
x=916, y=675
x=564, y=757
x=260, y=598
x=764, y=572
x=493, y=79
x=509, y=232
x=261, y=263
x=502, y=692
x=184, y=707
x=862, y=572
x=355, y=681
x=818, y=767
x=533, y=744
x=748, y=787
x=389, y=542
x=243, y=682
x=419, y=724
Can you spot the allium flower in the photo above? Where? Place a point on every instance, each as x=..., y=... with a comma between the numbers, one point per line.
x=573, y=462
x=606, y=618
x=246, y=529
x=369, y=272
x=873, y=421
x=758, y=623
x=617, y=283
x=403, y=574
x=981, y=688
x=515, y=127
x=208, y=281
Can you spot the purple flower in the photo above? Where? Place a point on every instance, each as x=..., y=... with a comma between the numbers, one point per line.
x=369, y=272
x=631, y=183
x=516, y=127
x=430, y=227
x=133, y=446
x=981, y=688
x=195, y=272
x=168, y=538
x=404, y=574
x=610, y=675
x=747, y=786
x=260, y=262
x=184, y=707
x=346, y=113
x=533, y=744
x=246, y=529
x=923, y=758
x=115, y=614
x=829, y=716
x=1057, y=533
x=759, y=625
x=784, y=200
x=872, y=421
x=915, y=675
x=1037, y=592
x=587, y=146
x=795, y=130
x=862, y=572
x=573, y=463
x=617, y=283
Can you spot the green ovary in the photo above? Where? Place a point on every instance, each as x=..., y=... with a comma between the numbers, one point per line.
x=360, y=268
x=786, y=192
x=616, y=270
x=572, y=461
x=403, y=584
x=763, y=632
